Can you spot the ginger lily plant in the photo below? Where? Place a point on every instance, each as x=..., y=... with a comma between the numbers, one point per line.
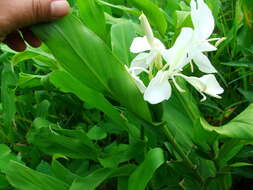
x=164, y=65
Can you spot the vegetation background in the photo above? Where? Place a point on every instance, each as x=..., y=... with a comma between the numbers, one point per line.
x=57, y=133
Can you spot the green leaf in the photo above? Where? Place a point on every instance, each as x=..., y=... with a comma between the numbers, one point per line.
x=144, y=172
x=4, y=150
x=248, y=95
x=42, y=109
x=153, y=12
x=93, y=17
x=122, y=183
x=6, y=156
x=228, y=150
x=245, y=64
x=62, y=173
x=8, y=84
x=115, y=154
x=215, y=6
x=88, y=59
x=240, y=164
x=24, y=178
x=94, y=179
x=122, y=35
x=183, y=19
x=31, y=53
x=96, y=133
x=91, y=181
x=51, y=139
x=29, y=80
x=68, y=84
x=241, y=127
x=3, y=182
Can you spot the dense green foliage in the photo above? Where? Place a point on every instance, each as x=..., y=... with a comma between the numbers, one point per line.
x=72, y=118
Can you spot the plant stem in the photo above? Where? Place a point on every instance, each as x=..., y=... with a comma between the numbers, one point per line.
x=181, y=153
x=176, y=146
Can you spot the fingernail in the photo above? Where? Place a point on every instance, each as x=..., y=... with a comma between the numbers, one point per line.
x=59, y=8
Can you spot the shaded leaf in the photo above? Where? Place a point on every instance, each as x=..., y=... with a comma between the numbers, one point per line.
x=144, y=172
x=241, y=127
x=24, y=178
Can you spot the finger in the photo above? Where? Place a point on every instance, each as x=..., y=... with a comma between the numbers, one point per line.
x=30, y=38
x=16, y=14
x=15, y=41
x=35, y=11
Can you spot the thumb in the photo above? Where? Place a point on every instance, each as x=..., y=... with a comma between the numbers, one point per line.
x=34, y=11
x=18, y=14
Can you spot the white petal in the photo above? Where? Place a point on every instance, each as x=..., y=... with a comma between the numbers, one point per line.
x=140, y=44
x=159, y=89
x=139, y=83
x=203, y=63
x=158, y=45
x=195, y=82
x=213, y=88
x=184, y=38
x=176, y=56
x=207, y=84
x=140, y=61
x=206, y=46
x=202, y=19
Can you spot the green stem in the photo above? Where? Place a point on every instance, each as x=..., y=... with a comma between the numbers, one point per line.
x=181, y=153
x=176, y=146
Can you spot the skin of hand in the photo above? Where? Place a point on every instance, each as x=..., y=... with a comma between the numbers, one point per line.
x=17, y=15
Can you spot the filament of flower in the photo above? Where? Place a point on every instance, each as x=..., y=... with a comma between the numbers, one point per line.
x=177, y=85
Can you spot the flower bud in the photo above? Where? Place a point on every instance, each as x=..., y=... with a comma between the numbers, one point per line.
x=147, y=29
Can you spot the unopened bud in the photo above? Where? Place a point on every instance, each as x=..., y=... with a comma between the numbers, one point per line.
x=147, y=29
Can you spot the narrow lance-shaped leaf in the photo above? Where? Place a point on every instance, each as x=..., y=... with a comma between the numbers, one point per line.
x=24, y=178
x=67, y=83
x=51, y=139
x=94, y=179
x=88, y=59
x=144, y=172
x=93, y=17
x=241, y=127
x=153, y=12
x=122, y=35
x=8, y=84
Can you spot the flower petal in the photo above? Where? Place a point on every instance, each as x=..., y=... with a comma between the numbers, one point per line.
x=206, y=46
x=196, y=83
x=202, y=19
x=139, y=83
x=207, y=84
x=159, y=89
x=158, y=45
x=176, y=56
x=141, y=61
x=203, y=62
x=140, y=44
x=213, y=88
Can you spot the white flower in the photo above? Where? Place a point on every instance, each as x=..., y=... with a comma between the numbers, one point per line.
x=177, y=56
x=146, y=43
x=203, y=23
x=159, y=88
x=206, y=84
x=189, y=45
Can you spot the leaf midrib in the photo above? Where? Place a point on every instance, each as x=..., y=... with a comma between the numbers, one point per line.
x=83, y=60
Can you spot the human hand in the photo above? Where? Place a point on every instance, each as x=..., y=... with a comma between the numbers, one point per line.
x=17, y=15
